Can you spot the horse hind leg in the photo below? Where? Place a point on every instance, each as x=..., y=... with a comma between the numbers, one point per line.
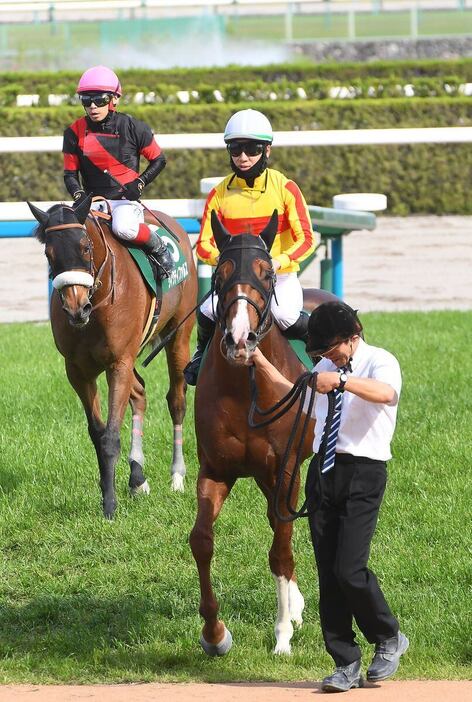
x=177, y=358
x=138, y=485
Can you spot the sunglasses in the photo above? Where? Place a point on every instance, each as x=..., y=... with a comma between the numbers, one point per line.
x=99, y=100
x=250, y=148
x=321, y=353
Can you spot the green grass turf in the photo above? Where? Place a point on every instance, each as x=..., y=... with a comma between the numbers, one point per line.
x=86, y=600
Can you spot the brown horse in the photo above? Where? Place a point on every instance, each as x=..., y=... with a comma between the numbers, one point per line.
x=100, y=309
x=228, y=448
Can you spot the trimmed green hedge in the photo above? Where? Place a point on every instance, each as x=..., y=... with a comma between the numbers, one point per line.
x=186, y=78
x=242, y=84
x=417, y=178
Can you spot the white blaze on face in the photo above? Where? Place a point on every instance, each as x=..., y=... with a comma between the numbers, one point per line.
x=240, y=326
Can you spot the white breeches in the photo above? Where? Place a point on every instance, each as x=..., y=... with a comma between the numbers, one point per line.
x=126, y=217
x=286, y=305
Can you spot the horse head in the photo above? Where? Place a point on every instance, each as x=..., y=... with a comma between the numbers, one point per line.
x=244, y=281
x=69, y=251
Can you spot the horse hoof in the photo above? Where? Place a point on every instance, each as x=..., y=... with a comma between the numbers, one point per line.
x=142, y=489
x=177, y=484
x=282, y=649
x=219, y=649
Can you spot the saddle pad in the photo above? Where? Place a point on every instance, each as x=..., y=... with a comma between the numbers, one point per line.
x=179, y=273
x=299, y=348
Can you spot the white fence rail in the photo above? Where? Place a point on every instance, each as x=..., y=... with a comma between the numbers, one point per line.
x=340, y=137
x=20, y=212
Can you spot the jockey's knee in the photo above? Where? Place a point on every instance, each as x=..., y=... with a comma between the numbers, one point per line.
x=127, y=231
x=287, y=320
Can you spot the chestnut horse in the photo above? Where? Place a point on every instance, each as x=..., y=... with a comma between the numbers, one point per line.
x=99, y=310
x=228, y=448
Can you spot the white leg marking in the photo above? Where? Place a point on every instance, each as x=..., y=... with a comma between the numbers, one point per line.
x=283, y=625
x=296, y=603
x=136, y=451
x=178, y=469
x=240, y=327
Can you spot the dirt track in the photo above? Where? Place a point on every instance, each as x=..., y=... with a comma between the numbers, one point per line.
x=420, y=263
x=401, y=691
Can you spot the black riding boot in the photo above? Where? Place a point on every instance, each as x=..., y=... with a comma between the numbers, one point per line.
x=299, y=330
x=205, y=329
x=156, y=249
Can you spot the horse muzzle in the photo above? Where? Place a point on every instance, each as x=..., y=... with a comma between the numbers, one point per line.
x=239, y=353
x=76, y=304
x=79, y=318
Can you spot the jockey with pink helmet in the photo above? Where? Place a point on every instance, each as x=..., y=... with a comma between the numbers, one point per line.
x=99, y=79
x=102, y=152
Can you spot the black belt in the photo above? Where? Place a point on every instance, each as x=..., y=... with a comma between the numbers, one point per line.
x=349, y=458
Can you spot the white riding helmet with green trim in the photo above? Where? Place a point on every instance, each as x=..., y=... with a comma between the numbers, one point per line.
x=249, y=124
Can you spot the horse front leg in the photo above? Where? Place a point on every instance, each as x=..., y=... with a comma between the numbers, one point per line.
x=290, y=601
x=178, y=355
x=87, y=391
x=119, y=378
x=215, y=640
x=137, y=481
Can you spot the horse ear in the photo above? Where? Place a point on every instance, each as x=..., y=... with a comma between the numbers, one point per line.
x=219, y=232
x=268, y=233
x=39, y=215
x=83, y=208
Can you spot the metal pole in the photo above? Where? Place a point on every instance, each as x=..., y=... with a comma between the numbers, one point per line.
x=337, y=256
x=326, y=267
x=414, y=22
x=289, y=23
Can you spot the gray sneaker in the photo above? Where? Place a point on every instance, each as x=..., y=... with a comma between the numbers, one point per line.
x=387, y=657
x=344, y=678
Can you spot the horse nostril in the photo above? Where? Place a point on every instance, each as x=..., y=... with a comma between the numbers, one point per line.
x=229, y=340
x=87, y=309
x=252, y=338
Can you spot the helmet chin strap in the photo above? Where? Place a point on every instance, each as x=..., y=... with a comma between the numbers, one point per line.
x=256, y=170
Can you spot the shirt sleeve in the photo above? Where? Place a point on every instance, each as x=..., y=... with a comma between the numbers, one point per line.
x=206, y=248
x=387, y=369
x=69, y=150
x=300, y=224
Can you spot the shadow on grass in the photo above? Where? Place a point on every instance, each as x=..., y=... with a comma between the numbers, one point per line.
x=81, y=638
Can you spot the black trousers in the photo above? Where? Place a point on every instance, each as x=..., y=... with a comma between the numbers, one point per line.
x=344, y=505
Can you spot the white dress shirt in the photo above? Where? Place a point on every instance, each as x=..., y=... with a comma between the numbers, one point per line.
x=366, y=428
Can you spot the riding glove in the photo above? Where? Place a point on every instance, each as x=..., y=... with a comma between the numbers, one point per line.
x=79, y=196
x=133, y=190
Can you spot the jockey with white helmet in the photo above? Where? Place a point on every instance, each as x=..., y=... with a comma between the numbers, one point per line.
x=102, y=152
x=244, y=202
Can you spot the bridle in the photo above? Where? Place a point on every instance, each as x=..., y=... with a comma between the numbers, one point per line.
x=95, y=273
x=236, y=252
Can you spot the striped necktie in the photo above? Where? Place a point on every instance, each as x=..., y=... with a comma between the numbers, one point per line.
x=330, y=433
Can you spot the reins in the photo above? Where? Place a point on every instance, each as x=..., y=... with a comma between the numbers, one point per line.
x=98, y=280
x=297, y=392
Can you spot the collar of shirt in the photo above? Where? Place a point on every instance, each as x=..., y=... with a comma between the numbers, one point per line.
x=260, y=183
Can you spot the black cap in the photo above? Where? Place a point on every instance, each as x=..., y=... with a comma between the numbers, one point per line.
x=329, y=323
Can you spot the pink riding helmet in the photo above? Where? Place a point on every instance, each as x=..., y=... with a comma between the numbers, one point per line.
x=99, y=78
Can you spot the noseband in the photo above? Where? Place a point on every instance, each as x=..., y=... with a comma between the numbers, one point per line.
x=237, y=251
